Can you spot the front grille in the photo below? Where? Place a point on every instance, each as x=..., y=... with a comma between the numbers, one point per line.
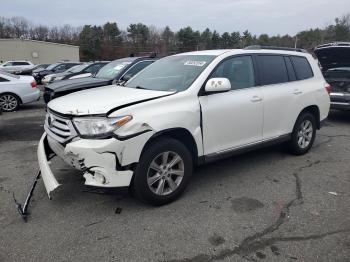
x=59, y=128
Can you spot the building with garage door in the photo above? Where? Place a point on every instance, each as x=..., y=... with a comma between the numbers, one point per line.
x=38, y=52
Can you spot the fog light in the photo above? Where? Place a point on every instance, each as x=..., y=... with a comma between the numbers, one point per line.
x=99, y=177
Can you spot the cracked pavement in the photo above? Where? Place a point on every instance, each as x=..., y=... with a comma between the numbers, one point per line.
x=265, y=205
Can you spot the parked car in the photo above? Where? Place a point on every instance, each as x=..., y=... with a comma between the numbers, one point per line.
x=79, y=71
x=16, y=90
x=181, y=111
x=119, y=71
x=29, y=71
x=59, y=67
x=335, y=61
x=13, y=66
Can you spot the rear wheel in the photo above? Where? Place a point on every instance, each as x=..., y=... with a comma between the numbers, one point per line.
x=303, y=135
x=9, y=102
x=163, y=172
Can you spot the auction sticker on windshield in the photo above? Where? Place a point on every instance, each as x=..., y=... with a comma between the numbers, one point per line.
x=195, y=63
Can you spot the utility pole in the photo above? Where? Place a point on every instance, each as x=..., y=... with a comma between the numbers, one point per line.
x=296, y=42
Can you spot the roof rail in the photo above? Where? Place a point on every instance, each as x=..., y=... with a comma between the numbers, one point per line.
x=259, y=47
x=345, y=44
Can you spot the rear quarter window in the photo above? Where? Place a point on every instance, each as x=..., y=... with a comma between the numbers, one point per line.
x=302, y=68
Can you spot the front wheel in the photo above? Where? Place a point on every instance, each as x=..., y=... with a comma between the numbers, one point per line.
x=163, y=172
x=303, y=135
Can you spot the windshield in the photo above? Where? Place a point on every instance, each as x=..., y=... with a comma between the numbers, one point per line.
x=112, y=69
x=52, y=66
x=77, y=68
x=174, y=73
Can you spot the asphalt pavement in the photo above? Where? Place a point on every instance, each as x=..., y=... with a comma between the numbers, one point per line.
x=264, y=205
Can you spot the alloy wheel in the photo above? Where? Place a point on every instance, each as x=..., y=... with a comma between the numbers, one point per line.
x=305, y=134
x=165, y=173
x=8, y=102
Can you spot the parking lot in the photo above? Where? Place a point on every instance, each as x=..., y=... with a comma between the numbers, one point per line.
x=264, y=205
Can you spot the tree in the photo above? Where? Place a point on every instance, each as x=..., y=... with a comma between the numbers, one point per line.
x=206, y=39
x=188, y=40
x=139, y=34
x=215, y=39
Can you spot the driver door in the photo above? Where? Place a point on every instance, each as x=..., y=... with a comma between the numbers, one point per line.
x=233, y=119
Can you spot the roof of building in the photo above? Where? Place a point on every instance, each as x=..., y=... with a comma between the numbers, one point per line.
x=37, y=41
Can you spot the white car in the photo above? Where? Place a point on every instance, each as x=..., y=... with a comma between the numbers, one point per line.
x=181, y=111
x=14, y=66
x=16, y=90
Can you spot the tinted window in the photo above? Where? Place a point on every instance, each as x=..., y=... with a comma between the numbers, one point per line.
x=8, y=64
x=290, y=69
x=272, y=69
x=137, y=68
x=302, y=68
x=3, y=79
x=239, y=70
x=20, y=63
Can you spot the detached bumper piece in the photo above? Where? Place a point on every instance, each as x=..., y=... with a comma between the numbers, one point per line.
x=44, y=153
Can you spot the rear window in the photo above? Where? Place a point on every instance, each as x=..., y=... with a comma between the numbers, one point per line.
x=272, y=69
x=302, y=68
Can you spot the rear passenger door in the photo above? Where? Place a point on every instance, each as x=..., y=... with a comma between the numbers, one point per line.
x=276, y=78
x=281, y=91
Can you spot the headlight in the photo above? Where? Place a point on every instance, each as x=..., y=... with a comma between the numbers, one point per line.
x=99, y=127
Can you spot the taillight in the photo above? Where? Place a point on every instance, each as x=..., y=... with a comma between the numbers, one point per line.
x=328, y=88
x=33, y=84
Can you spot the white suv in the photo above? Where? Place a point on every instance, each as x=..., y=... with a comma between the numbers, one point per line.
x=181, y=111
x=14, y=66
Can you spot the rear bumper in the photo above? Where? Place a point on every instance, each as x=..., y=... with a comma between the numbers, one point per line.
x=340, y=101
x=31, y=97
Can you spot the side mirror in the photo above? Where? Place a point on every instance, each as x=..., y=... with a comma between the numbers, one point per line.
x=218, y=85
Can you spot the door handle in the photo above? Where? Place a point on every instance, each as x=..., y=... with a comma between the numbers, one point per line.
x=256, y=99
x=297, y=92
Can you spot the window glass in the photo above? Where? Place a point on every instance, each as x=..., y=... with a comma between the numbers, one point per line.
x=239, y=70
x=173, y=73
x=8, y=64
x=272, y=69
x=20, y=63
x=94, y=68
x=302, y=67
x=290, y=69
x=114, y=68
x=137, y=68
x=3, y=79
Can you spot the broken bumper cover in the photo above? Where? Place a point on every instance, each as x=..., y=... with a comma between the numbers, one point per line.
x=49, y=179
x=104, y=162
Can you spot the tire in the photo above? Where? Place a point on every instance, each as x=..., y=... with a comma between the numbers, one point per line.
x=9, y=102
x=151, y=184
x=303, y=135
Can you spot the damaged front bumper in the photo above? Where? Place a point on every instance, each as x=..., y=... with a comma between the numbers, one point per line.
x=104, y=163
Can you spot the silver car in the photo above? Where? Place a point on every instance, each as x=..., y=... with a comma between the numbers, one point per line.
x=16, y=90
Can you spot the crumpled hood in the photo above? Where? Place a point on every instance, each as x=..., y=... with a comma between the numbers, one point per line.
x=333, y=56
x=79, y=83
x=101, y=100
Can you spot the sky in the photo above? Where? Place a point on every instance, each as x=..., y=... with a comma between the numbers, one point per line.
x=258, y=16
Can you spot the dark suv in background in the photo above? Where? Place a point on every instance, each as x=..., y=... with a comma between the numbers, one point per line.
x=334, y=59
x=59, y=67
x=117, y=71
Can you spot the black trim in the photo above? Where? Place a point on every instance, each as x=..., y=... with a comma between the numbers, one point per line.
x=214, y=157
x=123, y=138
